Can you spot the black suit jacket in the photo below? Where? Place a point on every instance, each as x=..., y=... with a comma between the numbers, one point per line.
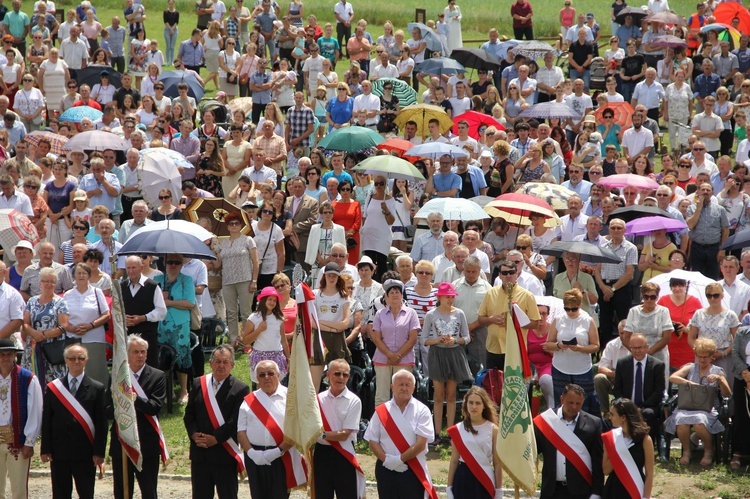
x=653, y=380
x=589, y=430
x=229, y=397
x=154, y=384
x=62, y=435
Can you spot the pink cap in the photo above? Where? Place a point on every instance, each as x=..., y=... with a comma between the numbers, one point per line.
x=446, y=289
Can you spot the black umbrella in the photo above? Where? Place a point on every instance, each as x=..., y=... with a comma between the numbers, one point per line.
x=737, y=241
x=629, y=213
x=475, y=58
x=92, y=75
x=166, y=241
x=637, y=13
x=594, y=253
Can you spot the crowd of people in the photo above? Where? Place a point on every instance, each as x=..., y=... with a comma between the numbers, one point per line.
x=410, y=296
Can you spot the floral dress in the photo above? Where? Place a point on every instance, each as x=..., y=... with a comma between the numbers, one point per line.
x=210, y=182
x=738, y=211
x=174, y=330
x=43, y=317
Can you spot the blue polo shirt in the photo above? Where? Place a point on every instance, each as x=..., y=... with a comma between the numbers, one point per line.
x=447, y=182
x=16, y=22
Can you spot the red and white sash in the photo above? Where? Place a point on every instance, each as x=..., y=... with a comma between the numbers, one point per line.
x=152, y=420
x=294, y=464
x=623, y=463
x=217, y=420
x=346, y=447
x=473, y=456
x=566, y=441
x=403, y=437
x=76, y=409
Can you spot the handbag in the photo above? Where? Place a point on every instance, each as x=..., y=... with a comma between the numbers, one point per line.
x=214, y=283
x=692, y=397
x=53, y=351
x=196, y=316
x=409, y=230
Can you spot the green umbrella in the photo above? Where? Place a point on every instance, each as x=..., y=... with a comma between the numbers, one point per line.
x=350, y=139
x=405, y=93
x=389, y=167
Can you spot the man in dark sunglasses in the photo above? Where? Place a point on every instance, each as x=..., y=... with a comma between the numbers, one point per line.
x=494, y=310
x=334, y=469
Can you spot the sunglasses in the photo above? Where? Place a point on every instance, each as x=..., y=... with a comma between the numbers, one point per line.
x=685, y=166
x=424, y=272
x=699, y=148
x=78, y=227
x=570, y=309
x=165, y=197
x=339, y=374
x=650, y=297
x=27, y=186
x=267, y=212
x=346, y=189
x=507, y=272
x=522, y=248
x=608, y=117
x=80, y=358
x=713, y=296
x=379, y=184
x=173, y=262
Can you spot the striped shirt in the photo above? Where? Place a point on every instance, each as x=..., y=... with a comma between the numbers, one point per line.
x=420, y=304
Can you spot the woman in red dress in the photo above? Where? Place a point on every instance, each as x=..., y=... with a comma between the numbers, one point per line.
x=348, y=213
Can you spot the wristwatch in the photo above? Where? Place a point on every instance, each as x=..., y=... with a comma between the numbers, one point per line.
x=323, y=436
x=613, y=289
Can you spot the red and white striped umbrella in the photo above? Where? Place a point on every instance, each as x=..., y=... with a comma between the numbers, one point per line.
x=15, y=227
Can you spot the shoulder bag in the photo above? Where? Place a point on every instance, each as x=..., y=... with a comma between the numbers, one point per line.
x=409, y=230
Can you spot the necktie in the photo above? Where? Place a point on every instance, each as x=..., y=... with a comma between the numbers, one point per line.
x=638, y=395
x=136, y=376
x=215, y=386
x=73, y=386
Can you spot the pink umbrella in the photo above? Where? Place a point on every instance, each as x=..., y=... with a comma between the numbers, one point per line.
x=628, y=180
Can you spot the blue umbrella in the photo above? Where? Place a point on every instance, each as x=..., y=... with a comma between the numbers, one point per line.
x=173, y=78
x=440, y=66
x=76, y=114
x=179, y=160
x=160, y=242
x=547, y=110
x=435, y=150
x=431, y=38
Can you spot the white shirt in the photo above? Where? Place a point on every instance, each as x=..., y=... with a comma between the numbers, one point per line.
x=739, y=295
x=11, y=304
x=85, y=308
x=483, y=259
x=255, y=430
x=160, y=309
x=348, y=408
x=416, y=414
x=561, y=473
x=613, y=352
x=18, y=201
x=371, y=103
x=344, y=10
x=387, y=71
x=637, y=140
x=199, y=272
x=571, y=228
x=460, y=105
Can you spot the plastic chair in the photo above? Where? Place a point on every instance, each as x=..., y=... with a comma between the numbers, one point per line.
x=213, y=333
x=167, y=362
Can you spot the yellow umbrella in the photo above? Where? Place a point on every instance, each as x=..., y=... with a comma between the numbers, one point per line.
x=421, y=114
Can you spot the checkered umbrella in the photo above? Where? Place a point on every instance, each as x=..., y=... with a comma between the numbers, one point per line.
x=57, y=142
x=15, y=227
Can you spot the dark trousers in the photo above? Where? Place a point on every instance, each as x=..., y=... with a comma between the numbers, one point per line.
x=267, y=482
x=197, y=69
x=562, y=491
x=466, y=485
x=395, y=485
x=207, y=477
x=333, y=474
x=381, y=263
x=653, y=113
x=127, y=208
x=257, y=111
x=617, y=307
x=651, y=417
x=148, y=477
x=21, y=46
x=519, y=33
x=703, y=259
x=63, y=473
x=740, y=438
x=726, y=138
x=343, y=33
x=542, y=97
x=118, y=63
x=495, y=361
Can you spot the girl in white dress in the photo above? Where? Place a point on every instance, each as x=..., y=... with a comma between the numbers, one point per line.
x=265, y=332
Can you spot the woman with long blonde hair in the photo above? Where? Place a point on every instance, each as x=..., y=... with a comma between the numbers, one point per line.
x=212, y=45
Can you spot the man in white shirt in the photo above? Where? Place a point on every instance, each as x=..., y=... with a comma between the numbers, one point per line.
x=384, y=68
x=700, y=160
x=526, y=85
x=460, y=102
x=472, y=241
x=259, y=172
x=463, y=138
x=219, y=10
x=410, y=133
x=574, y=223
x=144, y=306
x=604, y=380
x=707, y=126
x=547, y=78
x=445, y=260
x=199, y=272
x=369, y=102
x=737, y=291
x=74, y=51
x=656, y=6
x=140, y=219
x=428, y=245
x=311, y=67
x=580, y=103
x=636, y=140
x=572, y=34
x=745, y=260
x=12, y=198
x=11, y=306
x=433, y=127
x=526, y=280
x=649, y=93
x=743, y=148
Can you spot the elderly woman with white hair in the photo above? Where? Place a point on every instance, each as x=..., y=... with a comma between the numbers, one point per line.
x=322, y=238
x=45, y=321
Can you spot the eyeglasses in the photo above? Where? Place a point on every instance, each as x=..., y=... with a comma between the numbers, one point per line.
x=165, y=197
x=379, y=51
x=522, y=248
x=650, y=297
x=617, y=227
x=79, y=227
x=338, y=255
x=571, y=309
x=507, y=272
x=595, y=173
x=699, y=148
x=267, y=212
x=340, y=89
x=685, y=166
x=609, y=117
x=379, y=184
x=173, y=262
x=269, y=374
x=662, y=195
x=339, y=374
x=80, y=358
x=713, y=296
x=234, y=222
x=28, y=186
x=424, y=272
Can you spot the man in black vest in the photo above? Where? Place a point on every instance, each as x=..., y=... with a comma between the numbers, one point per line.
x=144, y=307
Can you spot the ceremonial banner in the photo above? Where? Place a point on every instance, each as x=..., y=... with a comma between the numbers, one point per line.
x=303, y=423
x=307, y=318
x=123, y=394
x=515, y=440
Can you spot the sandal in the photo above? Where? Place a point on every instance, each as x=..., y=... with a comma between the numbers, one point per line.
x=685, y=459
x=708, y=459
x=735, y=463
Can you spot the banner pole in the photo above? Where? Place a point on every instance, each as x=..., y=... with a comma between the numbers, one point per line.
x=125, y=480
